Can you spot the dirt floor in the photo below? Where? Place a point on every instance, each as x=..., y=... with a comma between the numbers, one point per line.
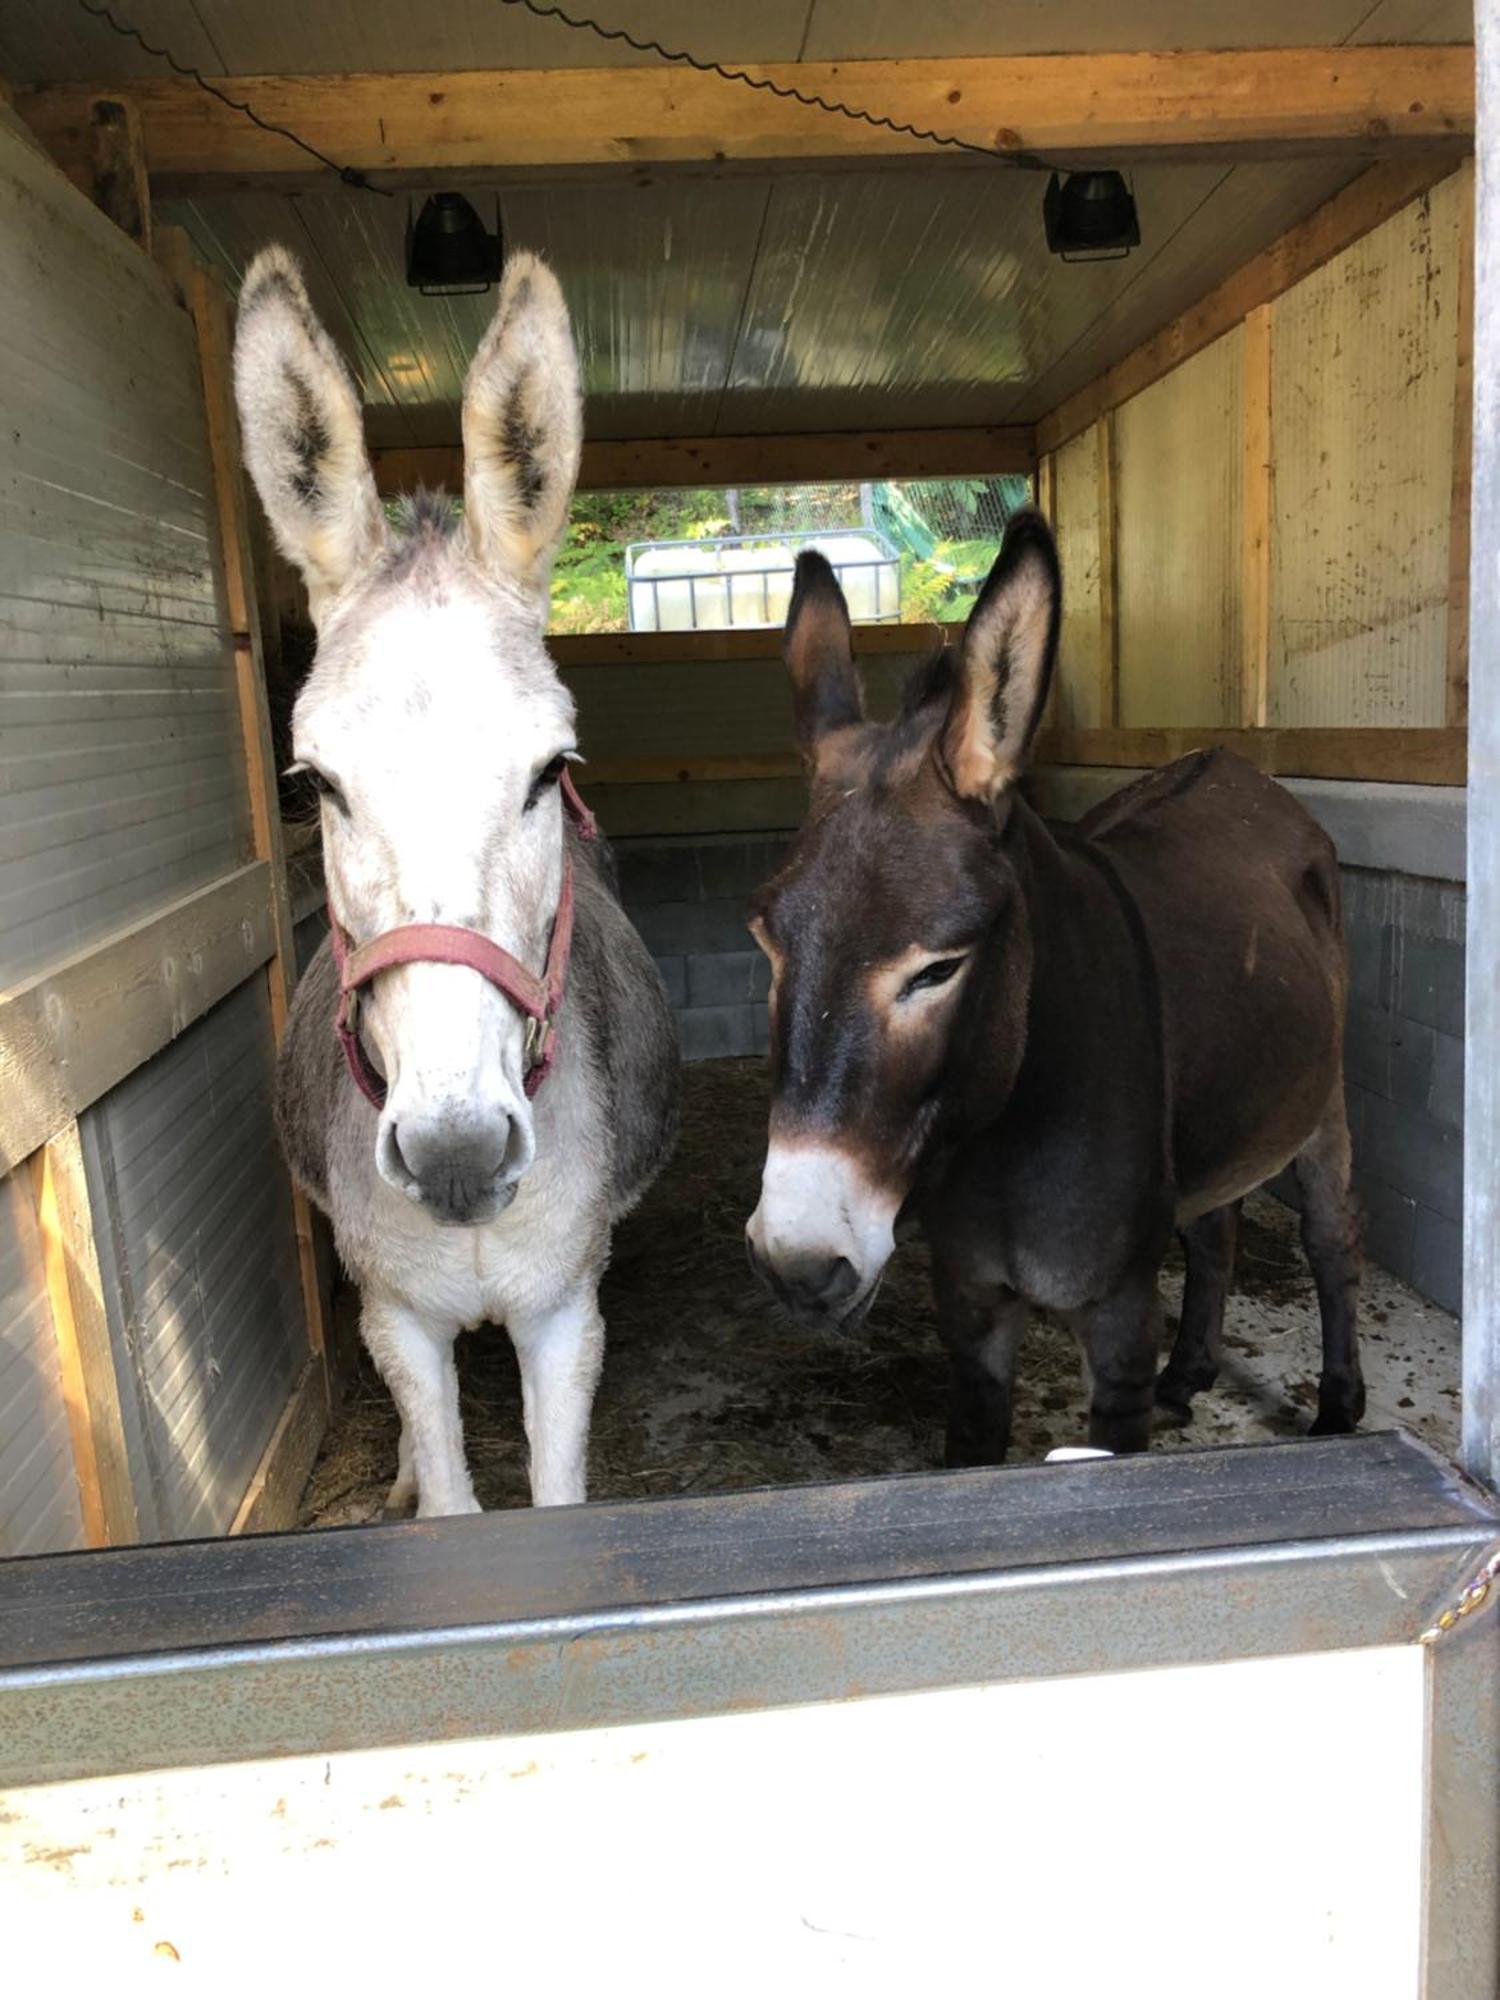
x=706, y=1389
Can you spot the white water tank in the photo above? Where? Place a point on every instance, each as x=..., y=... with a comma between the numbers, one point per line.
x=747, y=581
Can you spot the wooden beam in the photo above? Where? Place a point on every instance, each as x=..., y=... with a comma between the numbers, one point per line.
x=71, y=1033
x=1456, y=700
x=1378, y=194
x=1387, y=756
x=1109, y=574
x=609, y=464
x=761, y=642
x=75, y=1292
x=1046, y=487
x=688, y=770
x=1256, y=516
x=117, y=167
x=206, y=300
x=274, y=1494
x=1225, y=103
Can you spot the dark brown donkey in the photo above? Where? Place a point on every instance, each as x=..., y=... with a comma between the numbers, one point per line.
x=1051, y=1049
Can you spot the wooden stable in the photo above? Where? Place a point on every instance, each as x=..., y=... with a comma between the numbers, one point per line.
x=1254, y=439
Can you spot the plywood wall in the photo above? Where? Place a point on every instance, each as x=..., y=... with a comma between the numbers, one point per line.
x=1177, y=527
x=1351, y=428
x=1362, y=366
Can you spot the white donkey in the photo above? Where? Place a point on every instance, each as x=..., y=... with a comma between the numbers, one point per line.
x=463, y=1188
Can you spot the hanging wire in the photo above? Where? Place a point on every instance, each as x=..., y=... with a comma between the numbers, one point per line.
x=350, y=176
x=100, y=10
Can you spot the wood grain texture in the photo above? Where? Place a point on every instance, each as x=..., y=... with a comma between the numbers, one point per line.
x=117, y=168
x=1255, y=520
x=1391, y=756
x=75, y=1292
x=609, y=464
x=69, y=1034
x=1109, y=573
x=633, y=649
x=272, y=1497
x=1235, y=104
x=1377, y=195
x=1457, y=675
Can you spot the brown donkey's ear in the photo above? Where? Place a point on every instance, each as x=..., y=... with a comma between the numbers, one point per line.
x=1005, y=663
x=819, y=652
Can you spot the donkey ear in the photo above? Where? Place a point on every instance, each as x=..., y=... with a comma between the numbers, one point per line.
x=301, y=432
x=1005, y=663
x=523, y=428
x=819, y=652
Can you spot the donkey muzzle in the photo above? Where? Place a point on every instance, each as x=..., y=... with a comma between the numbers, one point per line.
x=464, y=1169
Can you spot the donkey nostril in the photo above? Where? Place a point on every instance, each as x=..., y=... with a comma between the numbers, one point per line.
x=398, y=1159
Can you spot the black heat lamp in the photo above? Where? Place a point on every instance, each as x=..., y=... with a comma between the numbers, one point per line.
x=449, y=250
x=1090, y=216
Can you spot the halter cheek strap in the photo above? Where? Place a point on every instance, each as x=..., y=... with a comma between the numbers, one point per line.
x=539, y=999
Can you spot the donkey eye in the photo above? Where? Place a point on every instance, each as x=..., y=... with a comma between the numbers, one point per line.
x=544, y=780
x=938, y=973
x=324, y=786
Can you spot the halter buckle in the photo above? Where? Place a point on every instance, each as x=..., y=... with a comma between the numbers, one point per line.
x=538, y=1034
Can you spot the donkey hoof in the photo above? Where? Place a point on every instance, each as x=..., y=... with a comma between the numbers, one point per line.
x=1174, y=1404
x=1333, y=1423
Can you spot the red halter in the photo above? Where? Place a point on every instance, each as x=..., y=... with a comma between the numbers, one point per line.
x=540, y=1000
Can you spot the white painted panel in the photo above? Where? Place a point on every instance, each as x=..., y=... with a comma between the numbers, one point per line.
x=1363, y=356
x=39, y=1505
x=1178, y=510
x=1075, y=504
x=1034, y=1838
x=121, y=771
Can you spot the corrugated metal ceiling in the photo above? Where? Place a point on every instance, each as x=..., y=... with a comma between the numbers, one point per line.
x=794, y=302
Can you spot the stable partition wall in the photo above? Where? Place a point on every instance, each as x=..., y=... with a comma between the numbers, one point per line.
x=154, y=1314
x=1267, y=545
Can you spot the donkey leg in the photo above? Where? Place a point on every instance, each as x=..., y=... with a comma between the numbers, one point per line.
x=414, y=1354
x=1193, y=1364
x=981, y=1327
x=402, y=1496
x=1121, y=1338
x=561, y=1352
x=1330, y=1236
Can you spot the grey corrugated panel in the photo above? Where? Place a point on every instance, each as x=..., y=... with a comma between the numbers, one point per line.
x=188, y=1183
x=39, y=1506
x=121, y=769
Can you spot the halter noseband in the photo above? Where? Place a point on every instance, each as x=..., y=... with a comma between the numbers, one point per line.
x=540, y=1000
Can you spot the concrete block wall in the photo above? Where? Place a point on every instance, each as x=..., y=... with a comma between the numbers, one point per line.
x=1404, y=1069
x=689, y=898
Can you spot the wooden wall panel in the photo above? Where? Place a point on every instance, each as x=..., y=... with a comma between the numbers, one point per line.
x=1075, y=499
x=1363, y=367
x=1178, y=512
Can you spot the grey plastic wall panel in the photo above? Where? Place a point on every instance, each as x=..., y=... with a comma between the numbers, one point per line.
x=188, y=1184
x=121, y=771
x=39, y=1507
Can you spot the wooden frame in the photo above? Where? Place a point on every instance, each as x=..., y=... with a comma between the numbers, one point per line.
x=1256, y=523
x=1183, y=104
x=762, y=642
x=615, y=464
x=75, y=1291
x=1457, y=698
x=147, y=982
x=1386, y=756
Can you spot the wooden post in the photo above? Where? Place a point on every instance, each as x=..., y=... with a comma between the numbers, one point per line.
x=117, y=167
x=1046, y=487
x=1109, y=576
x=1481, y=1315
x=203, y=294
x=1456, y=709
x=75, y=1291
x=1256, y=503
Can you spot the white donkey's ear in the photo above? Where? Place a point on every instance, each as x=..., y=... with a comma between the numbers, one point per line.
x=301, y=432
x=523, y=428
